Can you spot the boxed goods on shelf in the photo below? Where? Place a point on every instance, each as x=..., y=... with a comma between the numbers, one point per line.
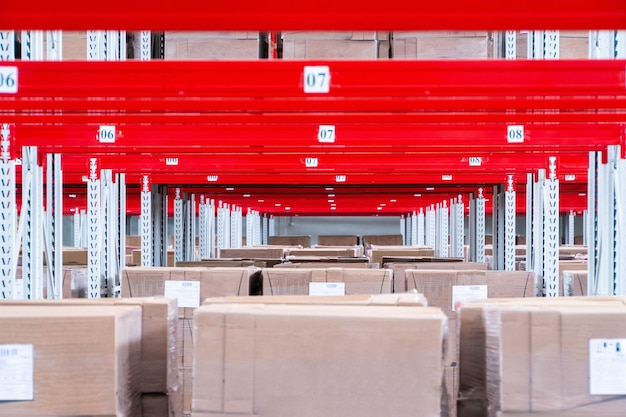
x=285, y=360
x=70, y=361
x=297, y=281
x=329, y=45
x=560, y=356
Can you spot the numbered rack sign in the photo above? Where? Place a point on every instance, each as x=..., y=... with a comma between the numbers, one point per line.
x=326, y=134
x=106, y=134
x=8, y=80
x=515, y=134
x=316, y=79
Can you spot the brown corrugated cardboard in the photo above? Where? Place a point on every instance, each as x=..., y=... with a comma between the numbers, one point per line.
x=286, y=281
x=155, y=405
x=410, y=299
x=399, y=269
x=382, y=240
x=302, y=241
x=136, y=257
x=85, y=360
x=532, y=354
x=349, y=252
x=329, y=45
x=318, y=361
x=376, y=253
x=257, y=252
x=440, y=45
x=74, y=256
x=338, y=240
x=159, y=345
x=360, y=280
x=183, y=45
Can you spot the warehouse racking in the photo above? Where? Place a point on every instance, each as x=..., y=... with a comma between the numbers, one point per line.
x=373, y=128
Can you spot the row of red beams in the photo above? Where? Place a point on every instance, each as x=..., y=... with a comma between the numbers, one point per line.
x=263, y=163
x=322, y=15
x=448, y=138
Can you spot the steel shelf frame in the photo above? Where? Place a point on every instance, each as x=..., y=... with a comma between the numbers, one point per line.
x=9, y=234
x=509, y=224
x=145, y=222
x=33, y=217
x=53, y=231
x=477, y=227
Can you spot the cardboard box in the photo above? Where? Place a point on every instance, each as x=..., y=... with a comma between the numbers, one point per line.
x=444, y=288
x=382, y=240
x=399, y=269
x=541, y=348
x=74, y=256
x=337, y=240
x=301, y=241
x=286, y=360
x=406, y=299
x=184, y=45
x=295, y=281
x=213, y=282
x=325, y=263
x=84, y=361
x=133, y=241
x=329, y=45
x=376, y=253
x=440, y=45
x=136, y=257
x=256, y=252
x=349, y=252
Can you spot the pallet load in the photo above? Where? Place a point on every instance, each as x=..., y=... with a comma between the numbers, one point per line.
x=287, y=360
x=561, y=357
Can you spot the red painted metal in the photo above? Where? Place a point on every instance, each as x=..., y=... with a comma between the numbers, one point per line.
x=322, y=15
x=446, y=138
x=542, y=80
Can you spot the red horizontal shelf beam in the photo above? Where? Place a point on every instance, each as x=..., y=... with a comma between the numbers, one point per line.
x=323, y=179
x=311, y=118
x=410, y=164
x=304, y=138
x=323, y=15
x=254, y=80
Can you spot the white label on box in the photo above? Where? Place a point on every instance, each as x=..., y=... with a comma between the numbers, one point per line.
x=186, y=292
x=316, y=79
x=327, y=288
x=8, y=80
x=468, y=292
x=607, y=367
x=16, y=372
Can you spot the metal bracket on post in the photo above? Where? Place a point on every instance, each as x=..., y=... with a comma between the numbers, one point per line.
x=9, y=237
x=570, y=227
x=551, y=231
x=178, y=227
x=93, y=234
x=32, y=207
x=7, y=45
x=509, y=225
x=54, y=45
x=32, y=45
x=146, y=222
x=54, y=226
x=510, y=47
x=441, y=246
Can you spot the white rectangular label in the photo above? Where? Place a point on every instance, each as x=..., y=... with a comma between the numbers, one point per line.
x=326, y=134
x=475, y=161
x=468, y=292
x=327, y=288
x=316, y=79
x=106, y=134
x=607, y=367
x=16, y=372
x=340, y=178
x=8, y=80
x=186, y=292
x=311, y=162
x=171, y=161
x=446, y=177
x=570, y=177
x=515, y=134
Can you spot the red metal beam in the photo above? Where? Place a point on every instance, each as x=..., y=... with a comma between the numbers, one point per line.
x=256, y=80
x=323, y=15
x=304, y=138
x=337, y=163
